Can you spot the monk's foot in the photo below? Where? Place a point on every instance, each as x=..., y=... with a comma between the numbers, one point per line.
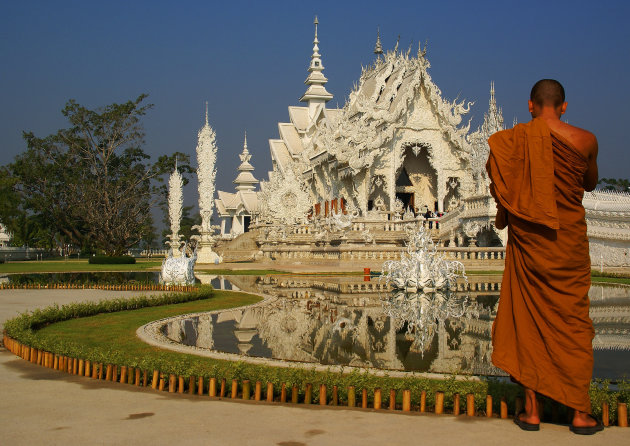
x=531, y=418
x=527, y=422
x=585, y=424
x=582, y=419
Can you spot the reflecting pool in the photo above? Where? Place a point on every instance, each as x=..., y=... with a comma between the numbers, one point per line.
x=349, y=321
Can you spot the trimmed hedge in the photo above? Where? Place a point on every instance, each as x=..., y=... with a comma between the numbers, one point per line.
x=112, y=260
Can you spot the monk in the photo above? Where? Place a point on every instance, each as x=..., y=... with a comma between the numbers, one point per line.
x=542, y=335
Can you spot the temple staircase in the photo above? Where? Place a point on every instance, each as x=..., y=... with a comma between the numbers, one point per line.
x=240, y=249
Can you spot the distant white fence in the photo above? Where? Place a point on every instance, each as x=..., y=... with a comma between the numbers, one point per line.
x=14, y=253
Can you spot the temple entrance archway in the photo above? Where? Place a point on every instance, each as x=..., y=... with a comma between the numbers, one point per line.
x=416, y=181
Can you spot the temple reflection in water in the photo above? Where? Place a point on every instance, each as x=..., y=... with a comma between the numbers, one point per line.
x=345, y=321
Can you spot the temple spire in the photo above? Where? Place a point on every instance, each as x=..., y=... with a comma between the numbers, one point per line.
x=245, y=180
x=316, y=95
x=378, y=48
x=207, y=113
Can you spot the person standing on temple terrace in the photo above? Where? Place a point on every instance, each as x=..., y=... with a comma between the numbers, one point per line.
x=542, y=335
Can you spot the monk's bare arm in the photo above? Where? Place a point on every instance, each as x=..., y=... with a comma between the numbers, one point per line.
x=591, y=176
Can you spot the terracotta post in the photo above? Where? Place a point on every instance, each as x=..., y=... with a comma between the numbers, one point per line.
x=223, y=387
x=258, y=391
x=131, y=373
x=123, y=374
x=100, y=370
x=283, y=393
x=392, y=399
x=294, y=394
x=88, y=368
x=172, y=383
x=335, y=396
x=137, y=377
x=439, y=402
x=108, y=373
x=246, y=389
x=364, y=399
x=200, y=386
x=622, y=415
x=377, y=399
x=406, y=403
x=180, y=384
x=504, y=408
x=352, y=402
x=322, y=395
x=605, y=414
x=234, y=388
x=212, y=390
x=145, y=378
x=162, y=383
x=489, y=406
x=308, y=394
x=154, y=381
x=270, y=392
x=470, y=405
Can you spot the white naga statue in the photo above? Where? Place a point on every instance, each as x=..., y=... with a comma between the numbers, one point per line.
x=179, y=270
x=178, y=267
x=421, y=267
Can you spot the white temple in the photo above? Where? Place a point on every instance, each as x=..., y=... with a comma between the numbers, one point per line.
x=395, y=150
x=237, y=208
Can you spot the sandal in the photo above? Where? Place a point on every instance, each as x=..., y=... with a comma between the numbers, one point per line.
x=587, y=430
x=531, y=427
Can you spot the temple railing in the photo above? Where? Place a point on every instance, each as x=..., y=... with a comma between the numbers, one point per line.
x=289, y=252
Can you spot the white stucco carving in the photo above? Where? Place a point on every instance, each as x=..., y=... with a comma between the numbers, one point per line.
x=175, y=203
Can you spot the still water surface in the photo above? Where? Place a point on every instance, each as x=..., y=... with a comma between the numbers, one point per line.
x=345, y=321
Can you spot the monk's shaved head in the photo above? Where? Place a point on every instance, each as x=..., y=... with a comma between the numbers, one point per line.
x=547, y=92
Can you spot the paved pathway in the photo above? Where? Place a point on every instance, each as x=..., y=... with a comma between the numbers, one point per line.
x=43, y=406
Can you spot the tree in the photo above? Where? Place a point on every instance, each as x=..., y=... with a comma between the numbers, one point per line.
x=619, y=184
x=91, y=185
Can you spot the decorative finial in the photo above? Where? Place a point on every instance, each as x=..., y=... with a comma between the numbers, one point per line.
x=397, y=42
x=175, y=162
x=245, y=143
x=514, y=122
x=378, y=48
x=207, y=113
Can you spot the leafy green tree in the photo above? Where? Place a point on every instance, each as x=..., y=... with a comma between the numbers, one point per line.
x=91, y=185
x=617, y=184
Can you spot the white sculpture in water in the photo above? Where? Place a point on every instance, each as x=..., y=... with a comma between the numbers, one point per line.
x=206, y=174
x=179, y=270
x=175, y=203
x=421, y=267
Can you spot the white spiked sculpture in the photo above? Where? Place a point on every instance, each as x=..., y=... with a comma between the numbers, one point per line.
x=206, y=173
x=175, y=203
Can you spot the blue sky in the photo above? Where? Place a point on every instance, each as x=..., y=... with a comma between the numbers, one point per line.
x=249, y=61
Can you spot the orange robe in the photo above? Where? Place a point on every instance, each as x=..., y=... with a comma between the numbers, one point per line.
x=542, y=335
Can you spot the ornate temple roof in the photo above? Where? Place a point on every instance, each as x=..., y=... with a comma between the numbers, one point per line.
x=316, y=79
x=245, y=200
x=245, y=180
